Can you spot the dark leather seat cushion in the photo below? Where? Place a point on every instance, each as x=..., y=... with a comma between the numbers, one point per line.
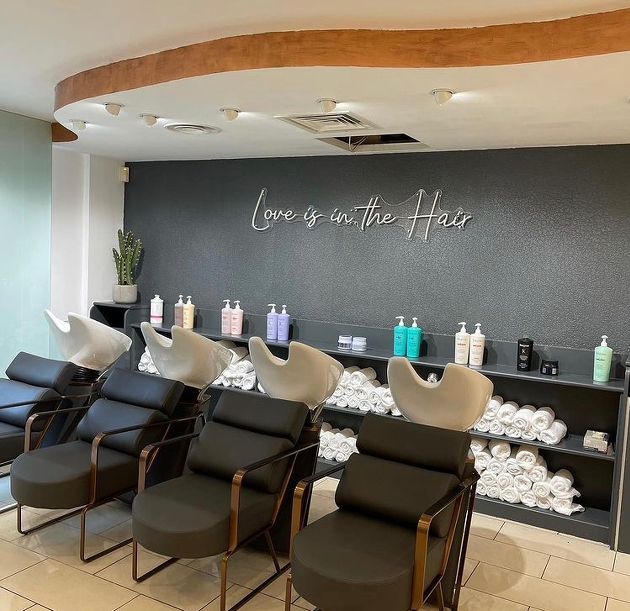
x=58, y=477
x=36, y=399
x=11, y=441
x=42, y=372
x=346, y=561
x=188, y=517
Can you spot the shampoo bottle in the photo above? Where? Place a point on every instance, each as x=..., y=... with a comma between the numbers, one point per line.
x=602, y=361
x=414, y=336
x=462, y=342
x=477, y=343
x=157, y=311
x=226, y=317
x=236, y=319
x=400, y=337
x=283, y=325
x=189, y=314
x=272, y=323
x=178, y=317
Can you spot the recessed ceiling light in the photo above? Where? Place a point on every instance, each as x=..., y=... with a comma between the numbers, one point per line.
x=187, y=128
x=441, y=96
x=112, y=108
x=327, y=104
x=78, y=124
x=230, y=113
x=149, y=120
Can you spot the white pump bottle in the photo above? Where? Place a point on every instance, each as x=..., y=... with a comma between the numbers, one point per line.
x=462, y=343
x=477, y=343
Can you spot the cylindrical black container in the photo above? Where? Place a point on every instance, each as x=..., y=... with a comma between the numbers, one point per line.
x=524, y=354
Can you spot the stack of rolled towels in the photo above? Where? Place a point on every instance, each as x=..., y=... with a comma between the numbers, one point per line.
x=335, y=444
x=526, y=422
x=146, y=363
x=359, y=389
x=518, y=474
x=240, y=372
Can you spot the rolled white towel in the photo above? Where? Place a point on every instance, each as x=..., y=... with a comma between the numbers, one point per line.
x=261, y=389
x=493, y=491
x=342, y=401
x=488, y=478
x=348, y=391
x=483, y=426
x=542, y=489
x=513, y=431
x=363, y=392
x=329, y=453
x=569, y=494
x=522, y=483
x=379, y=408
x=499, y=449
x=526, y=456
x=510, y=495
x=543, y=418
x=333, y=441
x=538, y=473
x=342, y=456
x=528, y=498
x=324, y=438
x=506, y=412
x=358, y=378
x=555, y=433
x=477, y=444
x=249, y=381
x=523, y=417
x=349, y=445
x=496, y=428
x=505, y=480
x=562, y=481
x=493, y=405
x=151, y=368
x=496, y=466
x=365, y=406
x=543, y=502
x=375, y=396
x=386, y=397
x=482, y=459
x=481, y=488
x=394, y=410
x=353, y=401
x=226, y=381
x=565, y=506
x=511, y=466
x=338, y=392
x=237, y=380
x=142, y=366
x=529, y=435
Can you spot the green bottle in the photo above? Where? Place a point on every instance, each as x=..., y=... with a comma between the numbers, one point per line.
x=400, y=337
x=602, y=361
x=414, y=336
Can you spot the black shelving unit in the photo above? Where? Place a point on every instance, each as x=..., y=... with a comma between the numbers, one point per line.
x=576, y=399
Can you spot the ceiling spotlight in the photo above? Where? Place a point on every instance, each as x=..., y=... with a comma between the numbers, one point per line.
x=149, y=120
x=78, y=125
x=327, y=104
x=112, y=108
x=441, y=96
x=230, y=113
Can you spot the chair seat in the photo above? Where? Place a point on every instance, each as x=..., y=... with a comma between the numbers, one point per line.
x=349, y=562
x=188, y=517
x=58, y=477
x=34, y=398
x=11, y=441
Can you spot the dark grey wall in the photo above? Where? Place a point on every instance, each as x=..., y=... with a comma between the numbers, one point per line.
x=545, y=254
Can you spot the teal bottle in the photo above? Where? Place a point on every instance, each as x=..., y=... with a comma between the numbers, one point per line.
x=414, y=337
x=400, y=337
x=602, y=361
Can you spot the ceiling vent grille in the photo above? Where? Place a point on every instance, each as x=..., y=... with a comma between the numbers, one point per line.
x=330, y=122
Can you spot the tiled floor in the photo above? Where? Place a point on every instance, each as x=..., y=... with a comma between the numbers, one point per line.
x=510, y=567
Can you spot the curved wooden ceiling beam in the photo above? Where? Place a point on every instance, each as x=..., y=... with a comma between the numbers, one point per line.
x=517, y=43
x=59, y=133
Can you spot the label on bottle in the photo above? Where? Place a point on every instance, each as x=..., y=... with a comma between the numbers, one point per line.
x=225, y=322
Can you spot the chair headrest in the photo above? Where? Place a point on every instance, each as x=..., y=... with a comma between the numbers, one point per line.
x=414, y=444
x=142, y=389
x=40, y=371
x=261, y=414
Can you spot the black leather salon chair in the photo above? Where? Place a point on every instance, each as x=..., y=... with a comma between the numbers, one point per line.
x=388, y=544
x=134, y=409
x=240, y=466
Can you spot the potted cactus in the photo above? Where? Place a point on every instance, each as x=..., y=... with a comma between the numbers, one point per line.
x=126, y=260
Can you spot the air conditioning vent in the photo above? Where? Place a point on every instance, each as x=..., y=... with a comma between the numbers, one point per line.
x=330, y=122
x=376, y=142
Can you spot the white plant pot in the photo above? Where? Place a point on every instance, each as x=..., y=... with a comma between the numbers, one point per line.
x=125, y=293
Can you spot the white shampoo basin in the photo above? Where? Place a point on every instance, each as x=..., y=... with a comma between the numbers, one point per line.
x=456, y=402
x=188, y=357
x=308, y=375
x=87, y=342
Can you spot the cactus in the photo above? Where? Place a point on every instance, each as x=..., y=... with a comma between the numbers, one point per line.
x=127, y=257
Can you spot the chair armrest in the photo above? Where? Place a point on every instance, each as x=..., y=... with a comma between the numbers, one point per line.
x=447, y=499
x=58, y=398
x=51, y=415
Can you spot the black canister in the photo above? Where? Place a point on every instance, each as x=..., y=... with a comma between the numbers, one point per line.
x=549, y=368
x=524, y=351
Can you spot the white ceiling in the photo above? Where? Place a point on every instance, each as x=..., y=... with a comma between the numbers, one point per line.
x=580, y=101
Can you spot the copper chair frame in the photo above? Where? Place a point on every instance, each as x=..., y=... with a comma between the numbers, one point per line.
x=233, y=544
x=93, y=502
x=419, y=594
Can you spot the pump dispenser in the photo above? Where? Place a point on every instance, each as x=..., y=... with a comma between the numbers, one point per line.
x=236, y=319
x=400, y=337
x=462, y=342
x=283, y=325
x=602, y=361
x=477, y=343
x=272, y=323
x=189, y=314
x=178, y=315
x=414, y=336
x=226, y=316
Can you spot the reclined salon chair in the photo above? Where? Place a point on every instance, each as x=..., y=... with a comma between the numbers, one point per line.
x=387, y=544
x=240, y=465
x=134, y=410
x=33, y=384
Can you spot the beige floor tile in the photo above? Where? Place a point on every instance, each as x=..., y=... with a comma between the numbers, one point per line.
x=469, y=567
x=617, y=605
x=507, y=556
x=622, y=563
x=320, y=506
x=176, y=585
x=556, y=544
x=248, y=567
x=37, y=608
x=8, y=526
x=142, y=603
x=485, y=526
x=104, y=517
x=471, y=600
x=326, y=487
x=120, y=532
x=63, y=588
x=278, y=589
x=13, y=559
x=234, y=594
x=10, y=601
x=301, y=603
x=61, y=542
x=530, y=591
x=588, y=578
